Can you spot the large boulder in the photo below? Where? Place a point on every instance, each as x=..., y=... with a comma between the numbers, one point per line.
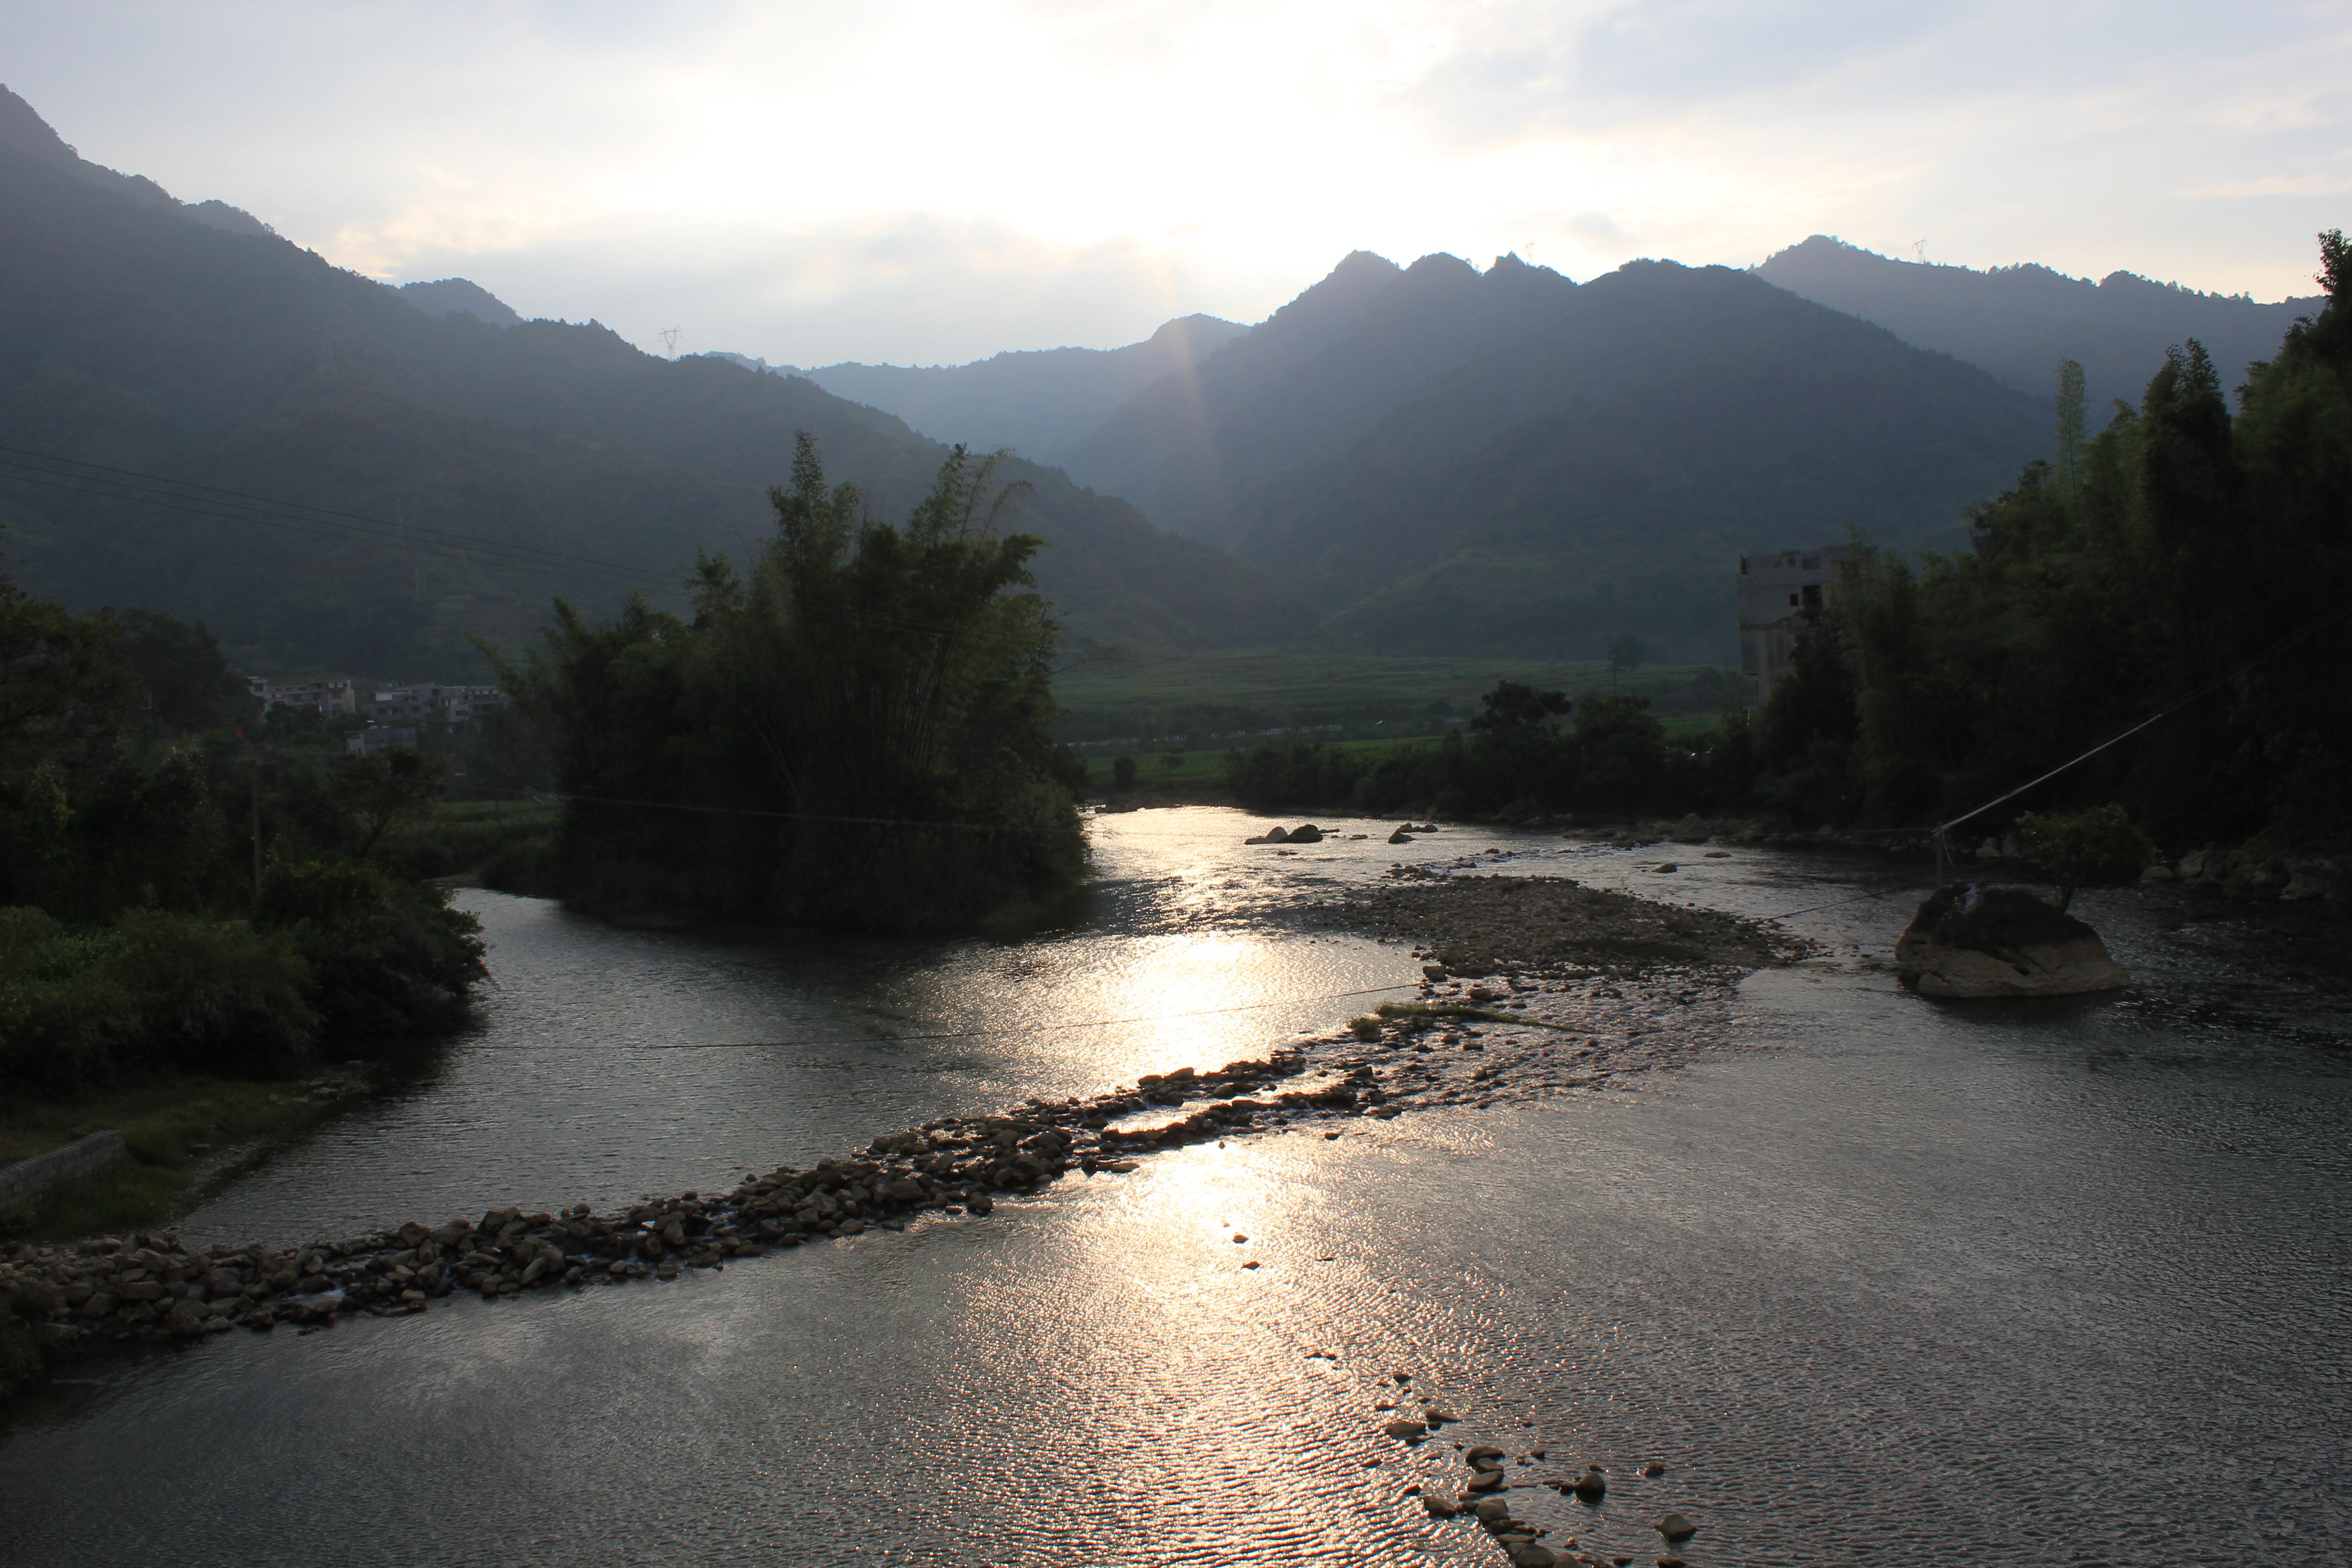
x=1307, y=833
x=1971, y=941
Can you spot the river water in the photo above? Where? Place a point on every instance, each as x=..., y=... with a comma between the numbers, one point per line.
x=1885, y=1281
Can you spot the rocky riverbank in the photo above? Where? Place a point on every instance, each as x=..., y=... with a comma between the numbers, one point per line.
x=1509, y=1008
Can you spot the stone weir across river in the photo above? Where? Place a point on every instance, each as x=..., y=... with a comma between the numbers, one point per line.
x=154, y=1287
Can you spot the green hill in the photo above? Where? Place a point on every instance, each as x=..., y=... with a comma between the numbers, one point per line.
x=2019, y=322
x=151, y=336
x=1456, y=462
x=1037, y=402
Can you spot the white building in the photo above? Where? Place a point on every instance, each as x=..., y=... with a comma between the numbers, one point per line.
x=428, y=699
x=1778, y=595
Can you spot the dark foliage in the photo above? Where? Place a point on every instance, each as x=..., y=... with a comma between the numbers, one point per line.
x=133, y=771
x=1525, y=752
x=851, y=731
x=2178, y=546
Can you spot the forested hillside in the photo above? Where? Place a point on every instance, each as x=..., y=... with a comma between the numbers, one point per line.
x=1505, y=462
x=142, y=335
x=2019, y=322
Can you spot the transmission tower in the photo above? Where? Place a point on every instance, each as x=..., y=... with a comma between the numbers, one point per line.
x=669, y=339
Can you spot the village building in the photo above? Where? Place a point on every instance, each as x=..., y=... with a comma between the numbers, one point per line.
x=326, y=696
x=1778, y=596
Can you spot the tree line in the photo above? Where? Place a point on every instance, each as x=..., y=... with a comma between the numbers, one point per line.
x=850, y=729
x=2169, y=552
x=183, y=888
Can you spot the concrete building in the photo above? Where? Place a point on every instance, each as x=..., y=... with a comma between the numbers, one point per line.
x=1778, y=593
x=326, y=696
x=430, y=700
x=378, y=738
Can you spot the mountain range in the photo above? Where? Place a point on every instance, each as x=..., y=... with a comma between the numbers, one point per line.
x=1506, y=461
x=1036, y=402
x=2019, y=322
x=152, y=336
x=1423, y=459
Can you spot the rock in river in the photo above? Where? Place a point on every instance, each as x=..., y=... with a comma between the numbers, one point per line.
x=1972, y=941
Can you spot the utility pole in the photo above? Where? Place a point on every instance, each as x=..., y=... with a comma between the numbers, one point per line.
x=257, y=829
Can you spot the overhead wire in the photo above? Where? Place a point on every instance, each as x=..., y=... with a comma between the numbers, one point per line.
x=972, y=1034
x=216, y=504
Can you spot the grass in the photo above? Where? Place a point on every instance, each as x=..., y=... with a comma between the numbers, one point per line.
x=165, y=1123
x=462, y=836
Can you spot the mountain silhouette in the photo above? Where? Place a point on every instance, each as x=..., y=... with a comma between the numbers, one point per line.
x=1456, y=462
x=2019, y=322
x=145, y=336
x=460, y=296
x=1037, y=402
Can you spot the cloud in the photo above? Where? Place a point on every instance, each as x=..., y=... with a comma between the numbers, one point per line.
x=1600, y=231
x=911, y=179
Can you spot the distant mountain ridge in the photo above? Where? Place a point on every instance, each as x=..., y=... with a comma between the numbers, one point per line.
x=2019, y=322
x=1038, y=402
x=1455, y=461
x=460, y=296
x=25, y=132
x=139, y=339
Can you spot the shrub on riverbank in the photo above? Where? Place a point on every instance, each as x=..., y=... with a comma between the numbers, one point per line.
x=154, y=991
x=1526, y=752
x=386, y=956
x=2160, y=559
x=850, y=731
x=130, y=942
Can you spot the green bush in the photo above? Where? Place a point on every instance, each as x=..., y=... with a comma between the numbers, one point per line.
x=154, y=991
x=2074, y=847
x=387, y=956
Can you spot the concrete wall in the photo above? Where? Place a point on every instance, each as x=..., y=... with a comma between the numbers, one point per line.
x=29, y=1181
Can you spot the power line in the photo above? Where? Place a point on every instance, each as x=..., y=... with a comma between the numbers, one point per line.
x=301, y=518
x=135, y=485
x=971, y=1033
x=548, y=797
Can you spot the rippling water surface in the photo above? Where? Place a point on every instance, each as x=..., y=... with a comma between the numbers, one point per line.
x=1894, y=1282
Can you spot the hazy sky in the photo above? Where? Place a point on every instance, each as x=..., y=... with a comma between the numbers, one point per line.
x=935, y=182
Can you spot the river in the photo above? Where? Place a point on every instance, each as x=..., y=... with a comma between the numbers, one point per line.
x=1878, y=1280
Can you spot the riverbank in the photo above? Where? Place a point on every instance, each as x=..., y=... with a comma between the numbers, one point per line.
x=185, y=1136
x=1844, y=1241
x=150, y=1286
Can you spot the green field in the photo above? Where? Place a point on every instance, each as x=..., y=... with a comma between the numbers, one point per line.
x=1192, y=770
x=1179, y=716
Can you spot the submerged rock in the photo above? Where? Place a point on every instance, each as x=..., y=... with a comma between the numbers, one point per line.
x=1973, y=940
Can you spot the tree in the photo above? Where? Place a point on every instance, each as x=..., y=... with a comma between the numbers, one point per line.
x=1122, y=772
x=2069, y=423
x=380, y=793
x=2071, y=848
x=855, y=720
x=1514, y=706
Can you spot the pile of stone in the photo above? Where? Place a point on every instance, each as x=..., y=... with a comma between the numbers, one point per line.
x=1481, y=1498
x=157, y=1288
x=1305, y=832
x=1482, y=924
x=2257, y=871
